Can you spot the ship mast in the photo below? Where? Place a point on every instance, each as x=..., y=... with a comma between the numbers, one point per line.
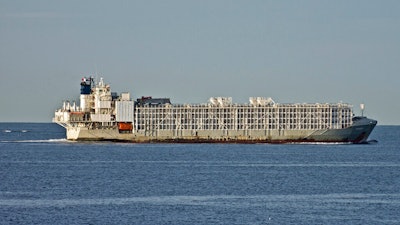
x=362, y=106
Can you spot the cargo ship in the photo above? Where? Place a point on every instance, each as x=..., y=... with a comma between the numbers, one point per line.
x=103, y=115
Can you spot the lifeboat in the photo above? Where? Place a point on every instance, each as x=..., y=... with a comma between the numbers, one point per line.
x=125, y=127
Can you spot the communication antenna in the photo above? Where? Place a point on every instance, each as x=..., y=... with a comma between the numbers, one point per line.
x=362, y=106
x=95, y=72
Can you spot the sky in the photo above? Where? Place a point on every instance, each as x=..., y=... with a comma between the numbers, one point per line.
x=293, y=51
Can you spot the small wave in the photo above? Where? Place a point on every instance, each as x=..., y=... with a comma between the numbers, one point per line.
x=213, y=200
x=320, y=143
x=44, y=141
x=38, y=141
x=15, y=131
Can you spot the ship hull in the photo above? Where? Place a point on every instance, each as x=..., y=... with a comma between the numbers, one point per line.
x=357, y=133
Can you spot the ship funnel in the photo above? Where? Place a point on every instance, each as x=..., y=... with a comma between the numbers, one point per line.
x=86, y=85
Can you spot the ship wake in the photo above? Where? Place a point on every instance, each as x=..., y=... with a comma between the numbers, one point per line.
x=37, y=141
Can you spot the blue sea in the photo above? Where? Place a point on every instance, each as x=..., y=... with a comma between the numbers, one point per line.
x=45, y=179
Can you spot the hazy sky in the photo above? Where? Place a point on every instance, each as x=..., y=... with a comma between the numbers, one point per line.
x=292, y=51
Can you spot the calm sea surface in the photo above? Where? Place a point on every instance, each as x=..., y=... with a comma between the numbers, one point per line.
x=45, y=179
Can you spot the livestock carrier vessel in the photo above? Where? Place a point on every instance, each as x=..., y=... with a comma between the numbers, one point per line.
x=105, y=115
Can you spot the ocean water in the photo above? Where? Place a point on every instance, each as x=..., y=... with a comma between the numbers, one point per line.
x=45, y=179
